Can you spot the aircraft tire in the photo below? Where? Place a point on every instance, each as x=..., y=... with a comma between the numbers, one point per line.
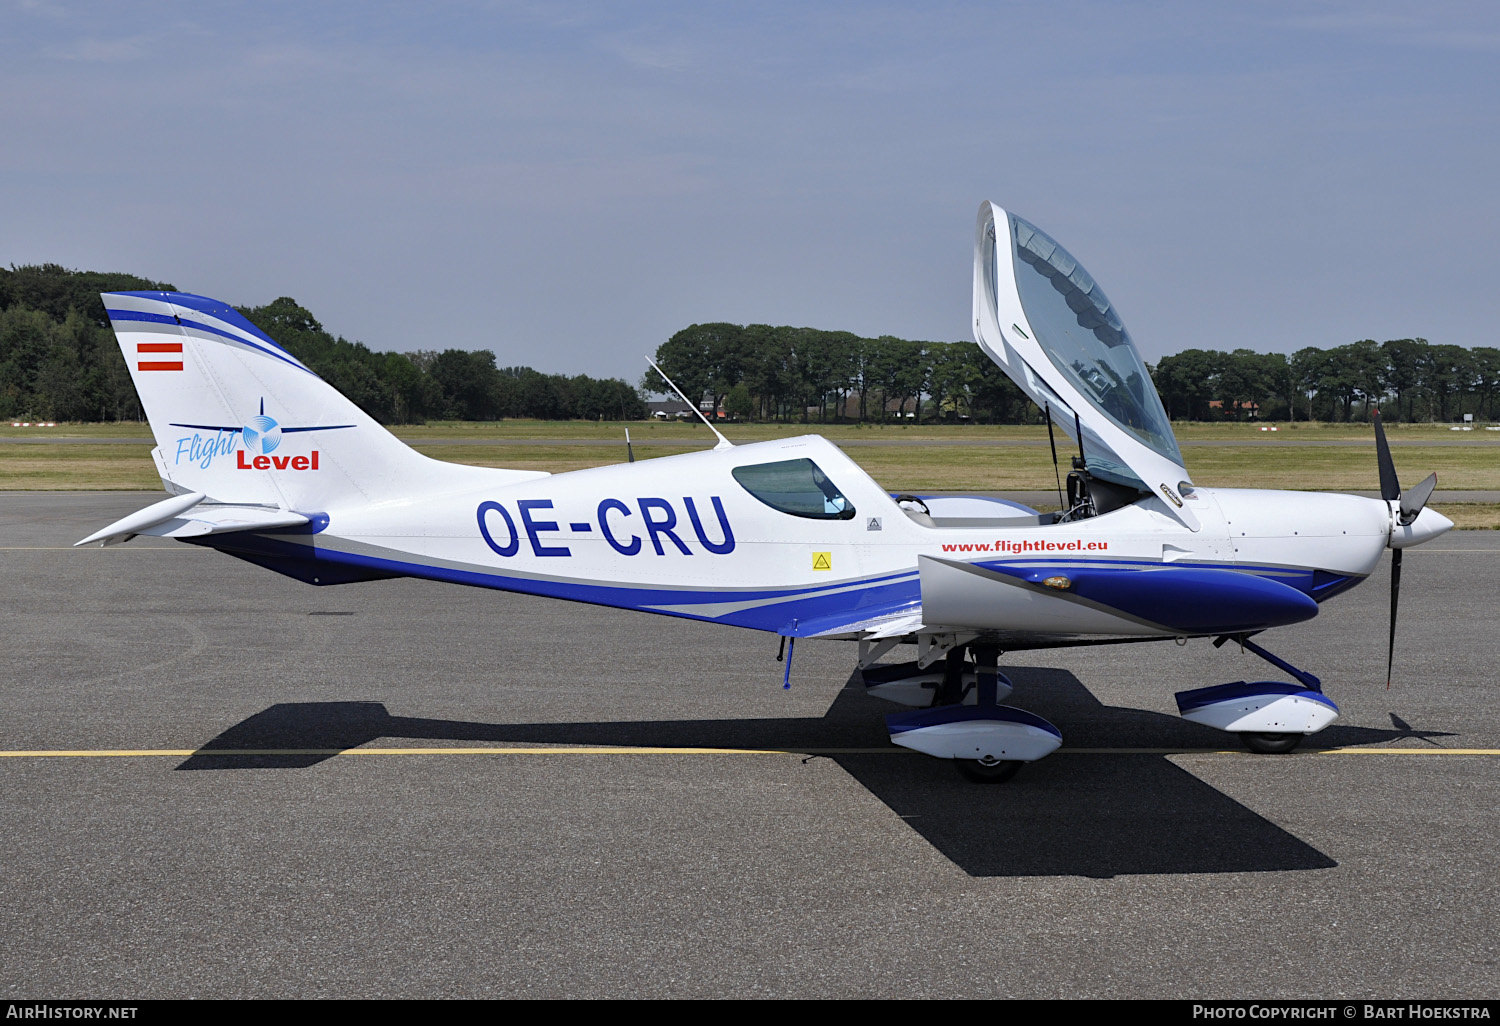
x=1271, y=744
x=988, y=773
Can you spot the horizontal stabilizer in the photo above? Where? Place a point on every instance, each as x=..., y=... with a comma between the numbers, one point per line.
x=189, y=516
x=203, y=520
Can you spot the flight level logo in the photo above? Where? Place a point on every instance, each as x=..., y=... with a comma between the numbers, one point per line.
x=252, y=444
x=261, y=435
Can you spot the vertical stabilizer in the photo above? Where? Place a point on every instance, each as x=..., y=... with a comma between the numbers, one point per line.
x=239, y=419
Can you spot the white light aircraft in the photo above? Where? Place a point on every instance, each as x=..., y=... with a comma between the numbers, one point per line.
x=267, y=462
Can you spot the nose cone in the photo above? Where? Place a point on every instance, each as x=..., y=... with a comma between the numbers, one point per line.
x=1428, y=525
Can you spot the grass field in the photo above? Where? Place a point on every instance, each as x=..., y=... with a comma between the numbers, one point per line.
x=691, y=433
x=1471, y=516
x=927, y=465
x=83, y=467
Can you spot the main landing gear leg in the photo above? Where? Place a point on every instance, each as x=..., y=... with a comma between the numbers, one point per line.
x=951, y=690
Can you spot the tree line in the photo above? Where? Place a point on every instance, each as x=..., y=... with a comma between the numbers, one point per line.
x=454, y=384
x=802, y=373
x=59, y=361
x=784, y=373
x=1408, y=379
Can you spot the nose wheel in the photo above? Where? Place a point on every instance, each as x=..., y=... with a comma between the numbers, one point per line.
x=995, y=771
x=1271, y=744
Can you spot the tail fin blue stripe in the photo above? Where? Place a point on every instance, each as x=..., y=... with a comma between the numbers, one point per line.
x=137, y=315
x=212, y=307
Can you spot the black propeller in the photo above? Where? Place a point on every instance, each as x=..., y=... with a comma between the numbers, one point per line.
x=1410, y=508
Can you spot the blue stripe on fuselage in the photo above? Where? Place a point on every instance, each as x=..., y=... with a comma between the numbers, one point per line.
x=876, y=595
x=850, y=599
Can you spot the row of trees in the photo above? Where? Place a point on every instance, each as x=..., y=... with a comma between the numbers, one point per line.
x=59, y=361
x=454, y=384
x=776, y=373
x=1409, y=379
x=780, y=373
x=58, y=358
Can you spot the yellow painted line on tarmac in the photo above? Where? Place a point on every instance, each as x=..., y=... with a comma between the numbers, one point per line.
x=183, y=753
x=1406, y=751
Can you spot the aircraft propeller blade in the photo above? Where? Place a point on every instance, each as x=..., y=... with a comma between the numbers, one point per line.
x=1414, y=499
x=1390, y=650
x=1390, y=488
x=1410, y=507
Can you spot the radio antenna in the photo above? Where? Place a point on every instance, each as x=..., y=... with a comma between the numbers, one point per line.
x=724, y=443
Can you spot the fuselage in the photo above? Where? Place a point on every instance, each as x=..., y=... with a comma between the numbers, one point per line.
x=686, y=535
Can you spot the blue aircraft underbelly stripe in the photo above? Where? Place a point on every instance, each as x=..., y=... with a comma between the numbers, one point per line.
x=816, y=606
x=774, y=616
x=875, y=595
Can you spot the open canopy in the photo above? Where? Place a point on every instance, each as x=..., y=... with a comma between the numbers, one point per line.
x=1050, y=326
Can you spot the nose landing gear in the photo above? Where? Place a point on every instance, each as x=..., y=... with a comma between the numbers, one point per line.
x=1270, y=744
x=993, y=771
x=1270, y=717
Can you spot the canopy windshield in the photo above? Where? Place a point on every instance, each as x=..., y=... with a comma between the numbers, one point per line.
x=1082, y=335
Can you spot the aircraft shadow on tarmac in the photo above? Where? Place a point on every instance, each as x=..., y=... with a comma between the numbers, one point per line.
x=1095, y=815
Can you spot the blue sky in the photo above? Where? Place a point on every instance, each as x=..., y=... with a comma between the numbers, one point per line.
x=567, y=184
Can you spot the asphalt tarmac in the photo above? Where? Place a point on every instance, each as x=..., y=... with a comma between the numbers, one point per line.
x=1147, y=858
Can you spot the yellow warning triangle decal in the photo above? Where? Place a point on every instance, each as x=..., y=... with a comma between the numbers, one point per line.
x=822, y=561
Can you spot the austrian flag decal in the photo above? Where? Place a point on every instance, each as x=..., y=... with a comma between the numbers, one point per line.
x=157, y=364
